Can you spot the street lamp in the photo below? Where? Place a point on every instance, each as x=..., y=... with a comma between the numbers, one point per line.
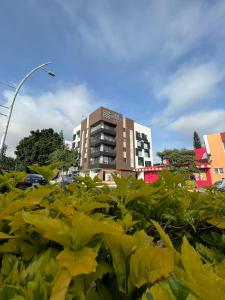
x=17, y=89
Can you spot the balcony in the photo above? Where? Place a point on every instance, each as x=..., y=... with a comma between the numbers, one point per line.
x=98, y=141
x=110, y=131
x=103, y=153
x=111, y=165
x=103, y=127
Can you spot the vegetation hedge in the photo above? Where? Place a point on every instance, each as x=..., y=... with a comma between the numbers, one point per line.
x=87, y=241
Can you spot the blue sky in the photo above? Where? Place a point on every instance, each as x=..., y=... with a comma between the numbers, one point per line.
x=159, y=62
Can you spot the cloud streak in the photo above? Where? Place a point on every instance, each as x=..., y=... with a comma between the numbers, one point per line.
x=190, y=86
x=205, y=122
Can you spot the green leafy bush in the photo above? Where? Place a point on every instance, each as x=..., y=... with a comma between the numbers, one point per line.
x=87, y=241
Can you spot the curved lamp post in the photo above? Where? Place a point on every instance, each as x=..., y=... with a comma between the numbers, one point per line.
x=17, y=89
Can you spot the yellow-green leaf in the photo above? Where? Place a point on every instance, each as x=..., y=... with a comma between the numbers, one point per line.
x=53, y=229
x=163, y=235
x=17, y=205
x=156, y=292
x=6, y=236
x=61, y=284
x=198, y=277
x=218, y=222
x=149, y=264
x=78, y=262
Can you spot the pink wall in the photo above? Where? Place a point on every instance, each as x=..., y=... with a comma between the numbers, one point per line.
x=201, y=183
x=151, y=176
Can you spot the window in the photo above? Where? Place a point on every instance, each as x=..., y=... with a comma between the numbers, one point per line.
x=124, y=149
x=146, y=153
x=139, y=152
x=124, y=160
x=144, y=137
x=138, y=135
x=148, y=163
x=124, y=129
x=74, y=137
x=203, y=176
x=145, y=146
x=139, y=144
x=140, y=161
x=218, y=170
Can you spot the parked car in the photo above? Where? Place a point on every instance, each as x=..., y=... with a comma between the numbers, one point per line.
x=220, y=185
x=30, y=180
x=66, y=180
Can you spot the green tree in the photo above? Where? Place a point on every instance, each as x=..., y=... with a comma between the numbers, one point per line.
x=196, y=141
x=36, y=148
x=68, y=158
x=180, y=159
x=6, y=163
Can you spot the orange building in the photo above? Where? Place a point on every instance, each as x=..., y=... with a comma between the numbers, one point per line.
x=215, y=147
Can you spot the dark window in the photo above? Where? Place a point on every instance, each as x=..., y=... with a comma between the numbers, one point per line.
x=144, y=137
x=124, y=129
x=146, y=153
x=124, y=160
x=140, y=161
x=138, y=135
x=124, y=149
x=148, y=163
x=74, y=137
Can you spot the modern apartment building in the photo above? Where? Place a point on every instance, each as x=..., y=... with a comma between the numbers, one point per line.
x=110, y=143
x=215, y=147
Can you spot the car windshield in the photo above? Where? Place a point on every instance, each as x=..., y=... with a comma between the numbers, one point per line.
x=67, y=177
x=219, y=182
x=35, y=176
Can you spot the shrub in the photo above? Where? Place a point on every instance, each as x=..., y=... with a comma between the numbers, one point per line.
x=136, y=241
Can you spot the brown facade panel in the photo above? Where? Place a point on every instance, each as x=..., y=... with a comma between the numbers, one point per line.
x=222, y=134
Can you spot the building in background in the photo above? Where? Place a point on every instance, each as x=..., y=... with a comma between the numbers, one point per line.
x=215, y=147
x=68, y=144
x=203, y=177
x=109, y=143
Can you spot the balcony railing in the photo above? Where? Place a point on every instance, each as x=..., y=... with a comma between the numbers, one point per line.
x=103, y=153
x=99, y=140
x=96, y=165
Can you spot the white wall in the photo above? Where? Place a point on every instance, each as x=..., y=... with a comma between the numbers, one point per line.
x=77, y=139
x=145, y=130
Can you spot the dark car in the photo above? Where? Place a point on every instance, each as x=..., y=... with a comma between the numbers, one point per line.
x=30, y=180
x=66, y=180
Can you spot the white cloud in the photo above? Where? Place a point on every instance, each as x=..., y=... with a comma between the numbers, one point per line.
x=60, y=110
x=190, y=86
x=204, y=122
x=131, y=30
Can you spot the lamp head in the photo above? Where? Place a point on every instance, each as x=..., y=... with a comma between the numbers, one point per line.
x=51, y=74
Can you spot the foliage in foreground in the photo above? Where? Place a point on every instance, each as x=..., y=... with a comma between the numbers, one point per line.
x=136, y=241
